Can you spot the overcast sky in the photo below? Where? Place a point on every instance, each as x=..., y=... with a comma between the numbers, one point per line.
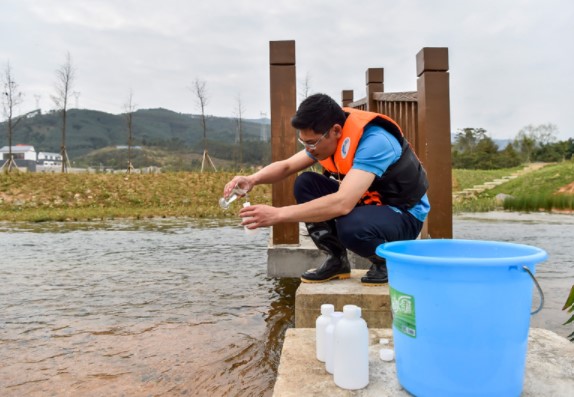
x=511, y=61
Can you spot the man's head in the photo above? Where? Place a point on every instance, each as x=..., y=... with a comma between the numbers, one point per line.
x=318, y=112
x=319, y=121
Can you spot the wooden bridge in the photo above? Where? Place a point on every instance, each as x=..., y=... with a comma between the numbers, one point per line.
x=424, y=116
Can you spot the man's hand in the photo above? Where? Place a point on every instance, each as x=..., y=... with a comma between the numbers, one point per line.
x=238, y=182
x=260, y=215
x=272, y=173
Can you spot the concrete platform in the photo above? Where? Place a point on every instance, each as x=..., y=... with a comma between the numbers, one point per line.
x=292, y=260
x=374, y=301
x=549, y=368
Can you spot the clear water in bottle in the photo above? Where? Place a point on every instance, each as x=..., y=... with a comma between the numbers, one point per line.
x=235, y=194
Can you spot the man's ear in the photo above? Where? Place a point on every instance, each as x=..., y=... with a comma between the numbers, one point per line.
x=338, y=130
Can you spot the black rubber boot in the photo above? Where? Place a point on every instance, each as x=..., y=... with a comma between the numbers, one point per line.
x=377, y=274
x=336, y=266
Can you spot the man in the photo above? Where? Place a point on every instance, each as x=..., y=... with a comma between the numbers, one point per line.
x=373, y=189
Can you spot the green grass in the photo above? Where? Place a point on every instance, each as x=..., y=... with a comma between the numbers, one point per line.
x=569, y=307
x=464, y=179
x=534, y=191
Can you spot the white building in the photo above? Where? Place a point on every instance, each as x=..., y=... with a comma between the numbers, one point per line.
x=47, y=158
x=19, y=152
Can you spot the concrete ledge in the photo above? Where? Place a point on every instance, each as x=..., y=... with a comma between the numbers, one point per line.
x=549, y=367
x=292, y=260
x=374, y=301
x=301, y=374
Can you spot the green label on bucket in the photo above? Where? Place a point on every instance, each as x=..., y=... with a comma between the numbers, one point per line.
x=403, y=307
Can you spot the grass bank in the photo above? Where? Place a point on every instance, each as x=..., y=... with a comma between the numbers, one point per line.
x=464, y=179
x=548, y=189
x=41, y=197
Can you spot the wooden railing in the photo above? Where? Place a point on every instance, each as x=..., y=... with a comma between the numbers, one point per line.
x=424, y=117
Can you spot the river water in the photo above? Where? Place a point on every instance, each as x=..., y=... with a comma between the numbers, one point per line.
x=178, y=307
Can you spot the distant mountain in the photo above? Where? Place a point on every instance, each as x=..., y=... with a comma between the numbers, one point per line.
x=89, y=130
x=263, y=120
x=501, y=143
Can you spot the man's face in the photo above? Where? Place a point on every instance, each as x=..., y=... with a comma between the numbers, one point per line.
x=320, y=145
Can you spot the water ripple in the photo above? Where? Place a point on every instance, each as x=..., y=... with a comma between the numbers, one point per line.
x=168, y=307
x=144, y=306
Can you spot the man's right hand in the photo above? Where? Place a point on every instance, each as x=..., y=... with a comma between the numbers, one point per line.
x=241, y=184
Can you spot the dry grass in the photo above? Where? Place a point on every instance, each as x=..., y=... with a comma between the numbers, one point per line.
x=59, y=197
x=43, y=197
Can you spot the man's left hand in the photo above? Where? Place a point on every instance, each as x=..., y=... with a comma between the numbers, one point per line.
x=260, y=215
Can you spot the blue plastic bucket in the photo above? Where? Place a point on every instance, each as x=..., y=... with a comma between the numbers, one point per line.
x=461, y=314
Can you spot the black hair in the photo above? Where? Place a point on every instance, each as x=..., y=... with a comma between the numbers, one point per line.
x=318, y=112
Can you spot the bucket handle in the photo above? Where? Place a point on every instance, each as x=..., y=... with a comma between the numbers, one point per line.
x=538, y=288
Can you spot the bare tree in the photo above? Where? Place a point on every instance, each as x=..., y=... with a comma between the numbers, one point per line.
x=239, y=111
x=200, y=93
x=65, y=77
x=11, y=98
x=305, y=87
x=546, y=133
x=534, y=136
x=130, y=109
x=525, y=142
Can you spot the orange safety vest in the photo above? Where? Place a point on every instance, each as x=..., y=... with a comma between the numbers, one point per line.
x=402, y=185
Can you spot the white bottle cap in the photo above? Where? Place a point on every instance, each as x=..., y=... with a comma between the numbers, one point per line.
x=327, y=309
x=387, y=354
x=351, y=311
x=384, y=341
x=335, y=317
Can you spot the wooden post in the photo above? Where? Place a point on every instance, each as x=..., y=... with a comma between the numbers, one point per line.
x=283, y=136
x=433, y=141
x=374, y=78
x=347, y=97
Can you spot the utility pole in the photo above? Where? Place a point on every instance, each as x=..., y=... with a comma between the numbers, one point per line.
x=129, y=107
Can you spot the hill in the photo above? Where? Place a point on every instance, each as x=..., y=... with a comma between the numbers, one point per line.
x=90, y=130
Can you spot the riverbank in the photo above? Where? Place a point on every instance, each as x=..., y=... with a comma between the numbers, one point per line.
x=82, y=197
x=38, y=197
x=538, y=187
x=528, y=217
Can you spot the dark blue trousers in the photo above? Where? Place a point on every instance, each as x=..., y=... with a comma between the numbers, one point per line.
x=366, y=226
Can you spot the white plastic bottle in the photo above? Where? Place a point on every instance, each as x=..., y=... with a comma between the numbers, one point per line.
x=320, y=327
x=351, y=360
x=330, y=341
x=247, y=230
